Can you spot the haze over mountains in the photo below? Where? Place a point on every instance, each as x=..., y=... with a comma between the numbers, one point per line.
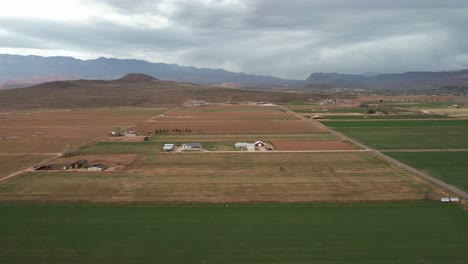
x=21, y=71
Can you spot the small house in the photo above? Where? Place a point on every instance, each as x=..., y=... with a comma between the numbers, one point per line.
x=97, y=167
x=454, y=199
x=168, y=147
x=445, y=199
x=191, y=146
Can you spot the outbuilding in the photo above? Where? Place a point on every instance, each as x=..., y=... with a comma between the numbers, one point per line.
x=168, y=147
x=241, y=145
x=445, y=199
x=98, y=167
x=250, y=147
x=76, y=165
x=191, y=146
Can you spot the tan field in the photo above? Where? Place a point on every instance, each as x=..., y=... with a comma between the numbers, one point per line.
x=235, y=177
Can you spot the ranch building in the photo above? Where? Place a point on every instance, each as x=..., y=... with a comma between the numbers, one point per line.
x=76, y=165
x=191, y=146
x=168, y=147
x=97, y=167
x=241, y=145
x=245, y=145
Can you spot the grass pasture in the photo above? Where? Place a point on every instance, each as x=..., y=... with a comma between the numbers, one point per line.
x=406, y=134
x=226, y=177
x=451, y=167
x=399, y=123
x=416, y=232
x=364, y=117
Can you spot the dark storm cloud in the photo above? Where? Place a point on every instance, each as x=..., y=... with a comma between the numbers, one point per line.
x=282, y=38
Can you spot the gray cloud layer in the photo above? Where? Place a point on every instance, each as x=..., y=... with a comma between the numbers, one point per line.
x=282, y=38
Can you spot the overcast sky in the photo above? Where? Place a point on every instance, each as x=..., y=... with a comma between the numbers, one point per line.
x=284, y=38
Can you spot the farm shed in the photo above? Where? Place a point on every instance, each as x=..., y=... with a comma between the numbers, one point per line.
x=168, y=147
x=192, y=146
x=250, y=147
x=245, y=145
x=76, y=165
x=445, y=199
x=42, y=167
x=241, y=145
x=98, y=167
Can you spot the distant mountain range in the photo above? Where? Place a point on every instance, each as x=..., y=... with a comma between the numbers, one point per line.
x=21, y=71
x=131, y=90
x=399, y=81
x=16, y=70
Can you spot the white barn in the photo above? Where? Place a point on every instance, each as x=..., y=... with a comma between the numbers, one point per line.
x=168, y=147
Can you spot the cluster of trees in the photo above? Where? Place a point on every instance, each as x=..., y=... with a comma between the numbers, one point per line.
x=176, y=130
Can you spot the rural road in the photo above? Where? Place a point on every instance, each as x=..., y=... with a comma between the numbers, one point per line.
x=384, y=157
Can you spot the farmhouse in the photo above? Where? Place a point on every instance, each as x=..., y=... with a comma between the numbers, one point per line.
x=191, y=146
x=76, y=165
x=97, y=167
x=168, y=147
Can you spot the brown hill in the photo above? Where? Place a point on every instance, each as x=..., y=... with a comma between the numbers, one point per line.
x=152, y=93
x=137, y=77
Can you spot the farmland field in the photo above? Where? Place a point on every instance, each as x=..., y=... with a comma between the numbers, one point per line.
x=399, y=123
x=415, y=134
x=310, y=145
x=227, y=177
x=53, y=131
x=235, y=127
x=346, y=117
x=416, y=232
x=452, y=167
x=10, y=163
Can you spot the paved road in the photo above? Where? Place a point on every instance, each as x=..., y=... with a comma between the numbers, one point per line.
x=390, y=160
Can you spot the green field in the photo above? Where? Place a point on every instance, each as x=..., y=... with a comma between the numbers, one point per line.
x=399, y=123
x=451, y=167
x=357, y=117
x=332, y=110
x=422, y=232
x=421, y=105
x=410, y=138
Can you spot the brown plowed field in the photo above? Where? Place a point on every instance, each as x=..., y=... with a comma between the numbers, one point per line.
x=235, y=127
x=228, y=108
x=230, y=116
x=54, y=131
x=310, y=145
